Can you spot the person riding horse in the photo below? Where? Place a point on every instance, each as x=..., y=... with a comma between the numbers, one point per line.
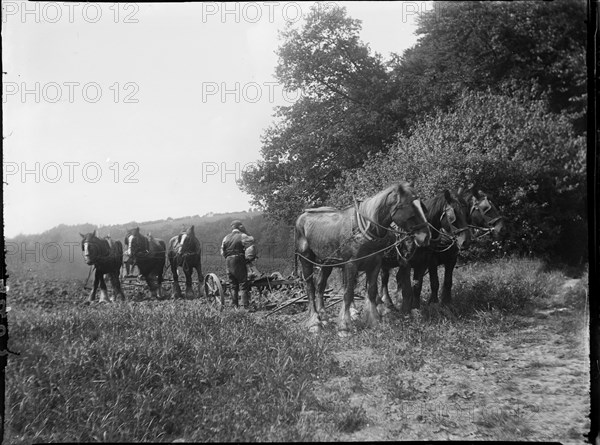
x=238, y=249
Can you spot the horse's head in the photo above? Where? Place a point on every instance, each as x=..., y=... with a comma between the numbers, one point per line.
x=136, y=244
x=408, y=213
x=484, y=213
x=454, y=218
x=93, y=247
x=185, y=241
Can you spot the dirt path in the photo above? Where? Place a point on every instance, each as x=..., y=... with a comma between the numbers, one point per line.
x=532, y=384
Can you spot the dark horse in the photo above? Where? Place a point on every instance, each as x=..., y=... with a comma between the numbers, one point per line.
x=149, y=256
x=106, y=256
x=485, y=216
x=354, y=239
x=184, y=251
x=448, y=215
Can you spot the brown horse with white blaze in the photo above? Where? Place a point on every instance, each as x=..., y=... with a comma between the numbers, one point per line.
x=354, y=239
x=106, y=256
x=184, y=251
x=149, y=254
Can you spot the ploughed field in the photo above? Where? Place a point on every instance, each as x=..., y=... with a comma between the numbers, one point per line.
x=509, y=361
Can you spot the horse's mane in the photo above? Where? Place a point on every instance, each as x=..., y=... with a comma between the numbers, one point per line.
x=436, y=206
x=371, y=207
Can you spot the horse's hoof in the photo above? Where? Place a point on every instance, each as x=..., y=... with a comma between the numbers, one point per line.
x=353, y=314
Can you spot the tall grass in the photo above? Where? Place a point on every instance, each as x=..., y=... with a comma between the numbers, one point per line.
x=157, y=372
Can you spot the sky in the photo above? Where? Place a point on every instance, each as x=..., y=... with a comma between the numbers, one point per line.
x=134, y=112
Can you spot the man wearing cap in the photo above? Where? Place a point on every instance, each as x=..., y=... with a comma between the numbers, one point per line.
x=233, y=249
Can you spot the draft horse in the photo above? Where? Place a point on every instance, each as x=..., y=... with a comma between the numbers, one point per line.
x=148, y=255
x=185, y=251
x=354, y=239
x=485, y=216
x=106, y=256
x=449, y=219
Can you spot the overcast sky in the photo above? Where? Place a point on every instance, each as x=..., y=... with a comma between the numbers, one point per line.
x=121, y=112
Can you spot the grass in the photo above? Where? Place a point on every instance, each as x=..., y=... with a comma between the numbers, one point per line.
x=161, y=371
x=157, y=372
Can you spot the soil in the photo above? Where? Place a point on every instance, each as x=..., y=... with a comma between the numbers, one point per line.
x=532, y=385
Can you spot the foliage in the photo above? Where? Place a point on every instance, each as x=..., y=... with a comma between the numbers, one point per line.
x=528, y=160
x=480, y=45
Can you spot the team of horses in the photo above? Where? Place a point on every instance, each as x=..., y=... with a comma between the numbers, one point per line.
x=391, y=229
x=146, y=253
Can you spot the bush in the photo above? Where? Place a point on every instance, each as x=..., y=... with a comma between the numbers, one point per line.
x=527, y=159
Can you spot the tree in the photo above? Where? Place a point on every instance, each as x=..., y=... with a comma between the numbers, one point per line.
x=343, y=115
x=487, y=45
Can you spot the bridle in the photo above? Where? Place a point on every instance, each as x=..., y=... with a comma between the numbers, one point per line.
x=445, y=236
x=138, y=253
x=180, y=246
x=364, y=222
x=477, y=205
x=97, y=243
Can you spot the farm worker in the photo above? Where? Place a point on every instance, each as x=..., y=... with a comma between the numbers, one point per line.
x=234, y=251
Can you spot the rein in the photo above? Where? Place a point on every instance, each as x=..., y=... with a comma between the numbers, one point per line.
x=342, y=263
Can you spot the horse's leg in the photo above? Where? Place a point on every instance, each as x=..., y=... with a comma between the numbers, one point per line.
x=176, y=290
x=103, y=290
x=344, y=320
x=418, y=274
x=371, y=315
x=434, y=282
x=404, y=284
x=159, y=279
x=92, y=296
x=385, y=294
x=200, y=278
x=321, y=286
x=115, y=282
x=313, y=323
x=188, y=270
x=448, y=272
x=152, y=281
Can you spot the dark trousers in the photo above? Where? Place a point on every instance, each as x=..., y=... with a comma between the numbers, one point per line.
x=238, y=277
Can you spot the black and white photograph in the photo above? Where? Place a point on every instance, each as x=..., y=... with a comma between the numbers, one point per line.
x=297, y=221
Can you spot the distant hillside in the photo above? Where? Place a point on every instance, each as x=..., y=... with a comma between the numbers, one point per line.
x=56, y=253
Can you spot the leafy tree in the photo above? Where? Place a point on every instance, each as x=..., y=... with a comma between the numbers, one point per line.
x=528, y=159
x=343, y=115
x=481, y=45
